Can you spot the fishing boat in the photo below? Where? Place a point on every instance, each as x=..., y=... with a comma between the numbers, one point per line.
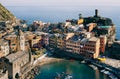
x=93, y=67
x=68, y=77
x=63, y=75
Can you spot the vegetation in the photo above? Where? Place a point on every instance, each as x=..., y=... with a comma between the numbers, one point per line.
x=39, y=53
x=5, y=14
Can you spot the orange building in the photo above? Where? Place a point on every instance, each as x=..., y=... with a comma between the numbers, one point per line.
x=86, y=47
x=103, y=41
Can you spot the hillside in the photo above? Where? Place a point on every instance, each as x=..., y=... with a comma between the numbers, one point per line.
x=5, y=14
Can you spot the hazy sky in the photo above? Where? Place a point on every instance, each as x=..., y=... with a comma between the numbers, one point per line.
x=60, y=2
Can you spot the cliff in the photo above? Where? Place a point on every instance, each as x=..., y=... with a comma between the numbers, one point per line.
x=5, y=14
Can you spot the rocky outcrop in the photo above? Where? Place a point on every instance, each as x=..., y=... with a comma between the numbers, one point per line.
x=5, y=14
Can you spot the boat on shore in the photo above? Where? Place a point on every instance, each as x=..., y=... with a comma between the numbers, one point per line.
x=107, y=72
x=110, y=74
x=102, y=71
x=93, y=67
x=113, y=76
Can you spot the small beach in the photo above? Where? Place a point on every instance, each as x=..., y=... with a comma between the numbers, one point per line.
x=48, y=60
x=44, y=61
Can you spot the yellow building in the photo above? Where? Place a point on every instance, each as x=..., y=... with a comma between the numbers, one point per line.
x=80, y=21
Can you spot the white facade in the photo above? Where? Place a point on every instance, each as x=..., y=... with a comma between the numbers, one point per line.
x=5, y=48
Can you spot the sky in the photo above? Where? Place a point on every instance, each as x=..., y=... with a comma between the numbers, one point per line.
x=60, y=3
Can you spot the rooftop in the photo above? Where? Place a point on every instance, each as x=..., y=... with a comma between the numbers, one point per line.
x=104, y=27
x=77, y=38
x=3, y=42
x=28, y=33
x=93, y=39
x=12, y=35
x=14, y=56
x=40, y=33
x=84, y=40
x=69, y=35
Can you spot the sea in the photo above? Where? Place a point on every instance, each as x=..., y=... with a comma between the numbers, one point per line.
x=72, y=68
x=60, y=14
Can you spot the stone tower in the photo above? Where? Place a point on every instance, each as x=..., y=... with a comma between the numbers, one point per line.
x=20, y=40
x=96, y=13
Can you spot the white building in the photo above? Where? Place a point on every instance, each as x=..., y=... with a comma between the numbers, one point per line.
x=4, y=48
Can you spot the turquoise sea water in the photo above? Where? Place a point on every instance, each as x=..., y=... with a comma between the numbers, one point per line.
x=60, y=14
x=74, y=68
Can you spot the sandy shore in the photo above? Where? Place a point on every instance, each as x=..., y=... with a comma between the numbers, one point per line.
x=36, y=67
x=48, y=60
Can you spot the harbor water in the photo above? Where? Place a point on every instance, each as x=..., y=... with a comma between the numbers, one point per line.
x=74, y=68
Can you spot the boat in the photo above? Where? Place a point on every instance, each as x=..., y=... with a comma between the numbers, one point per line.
x=83, y=62
x=102, y=70
x=68, y=77
x=107, y=72
x=63, y=75
x=93, y=67
x=113, y=76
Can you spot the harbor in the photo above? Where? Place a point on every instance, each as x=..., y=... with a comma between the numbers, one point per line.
x=111, y=75
x=46, y=60
x=68, y=69
x=85, y=47
x=105, y=68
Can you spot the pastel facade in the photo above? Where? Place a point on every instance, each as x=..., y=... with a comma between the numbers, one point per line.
x=103, y=41
x=88, y=48
x=81, y=44
x=4, y=48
